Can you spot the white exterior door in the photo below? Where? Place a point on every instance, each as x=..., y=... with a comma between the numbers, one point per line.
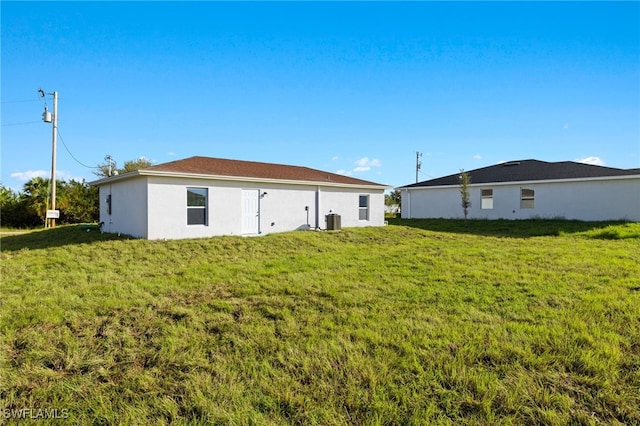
x=250, y=211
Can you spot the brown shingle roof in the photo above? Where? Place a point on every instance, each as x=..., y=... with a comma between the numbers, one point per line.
x=253, y=169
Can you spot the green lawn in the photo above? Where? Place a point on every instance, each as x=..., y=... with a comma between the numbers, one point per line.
x=419, y=322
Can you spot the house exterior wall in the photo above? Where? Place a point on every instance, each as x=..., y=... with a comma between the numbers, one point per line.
x=345, y=202
x=283, y=208
x=168, y=209
x=128, y=207
x=164, y=206
x=594, y=199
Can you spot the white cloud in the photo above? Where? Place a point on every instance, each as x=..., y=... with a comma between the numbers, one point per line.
x=365, y=162
x=334, y=158
x=477, y=157
x=29, y=174
x=566, y=126
x=596, y=161
x=171, y=154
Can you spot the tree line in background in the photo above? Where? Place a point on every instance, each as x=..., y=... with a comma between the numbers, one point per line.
x=110, y=169
x=393, y=198
x=393, y=203
x=77, y=201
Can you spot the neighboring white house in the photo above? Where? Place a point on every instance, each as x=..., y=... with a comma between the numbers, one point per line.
x=530, y=189
x=203, y=197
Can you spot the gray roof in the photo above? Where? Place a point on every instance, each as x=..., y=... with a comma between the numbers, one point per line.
x=529, y=170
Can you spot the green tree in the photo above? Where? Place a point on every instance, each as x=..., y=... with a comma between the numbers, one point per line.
x=129, y=166
x=82, y=202
x=102, y=170
x=132, y=165
x=393, y=198
x=465, y=198
x=16, y=210
x=7, y=196
x=11, y=209
x=77, y=202
x=36, y=193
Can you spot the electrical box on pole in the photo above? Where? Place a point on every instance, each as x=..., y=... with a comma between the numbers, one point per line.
x=46, y=115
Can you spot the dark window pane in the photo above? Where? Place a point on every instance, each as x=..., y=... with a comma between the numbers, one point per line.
x=528, y=193
x=364, y=201
x=196, y=197
x=196, y=216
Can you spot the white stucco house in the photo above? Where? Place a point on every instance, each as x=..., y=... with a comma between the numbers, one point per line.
x=530, y=189
x=203, y=197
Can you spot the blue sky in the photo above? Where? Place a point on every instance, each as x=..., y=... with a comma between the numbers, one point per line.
x=354, y=88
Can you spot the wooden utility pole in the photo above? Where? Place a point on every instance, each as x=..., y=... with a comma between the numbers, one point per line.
x=52, y=214
x=53, y=156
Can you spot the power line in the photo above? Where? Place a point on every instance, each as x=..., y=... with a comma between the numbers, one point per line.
x=426, y=174
x=72, y=156
x=21, y=101
x=19, y=124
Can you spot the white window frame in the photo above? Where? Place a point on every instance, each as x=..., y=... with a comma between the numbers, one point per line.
x=198, y=207
x=527, y=201
x=363, y=210
x=486, y=198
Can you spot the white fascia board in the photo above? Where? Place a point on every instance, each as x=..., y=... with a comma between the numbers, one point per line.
x=115, y=178
x=234, y=179
x=529, y=182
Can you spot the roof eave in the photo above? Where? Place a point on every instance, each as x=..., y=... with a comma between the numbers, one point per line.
x=159, y=173
x=111, y=179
